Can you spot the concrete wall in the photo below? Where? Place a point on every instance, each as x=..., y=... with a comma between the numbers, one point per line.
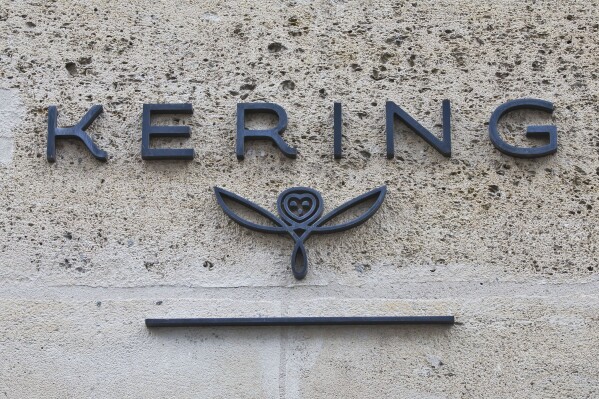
x=90, y=249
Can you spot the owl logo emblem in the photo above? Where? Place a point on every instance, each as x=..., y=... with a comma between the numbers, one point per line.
x=300, y=210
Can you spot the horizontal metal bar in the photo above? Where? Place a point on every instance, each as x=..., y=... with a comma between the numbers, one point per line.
x=300, y=321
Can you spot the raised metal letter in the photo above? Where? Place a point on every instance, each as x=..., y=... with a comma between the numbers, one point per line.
x=73, y=132
x=542, y=131
x=443, y=146
x=337, y=130
x=271, y=134
x=148, y=131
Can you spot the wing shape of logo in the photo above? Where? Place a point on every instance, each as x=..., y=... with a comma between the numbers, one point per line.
x=221, y=195
x=300, y=209
x=378, y=195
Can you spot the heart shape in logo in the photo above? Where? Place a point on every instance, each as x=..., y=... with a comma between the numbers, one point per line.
x=300, y=205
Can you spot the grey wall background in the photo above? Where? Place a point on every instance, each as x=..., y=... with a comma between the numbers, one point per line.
x=90, y=249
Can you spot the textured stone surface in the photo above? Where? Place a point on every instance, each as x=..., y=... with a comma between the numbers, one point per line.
x=509, y=246
x=11, y=113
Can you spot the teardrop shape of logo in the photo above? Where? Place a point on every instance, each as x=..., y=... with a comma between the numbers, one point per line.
x=300, y=205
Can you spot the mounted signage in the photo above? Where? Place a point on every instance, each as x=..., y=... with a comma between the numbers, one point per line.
x=300, y=208
x=393, y=111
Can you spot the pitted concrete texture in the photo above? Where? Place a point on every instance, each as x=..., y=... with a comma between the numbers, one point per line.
x=508, y=245
x=11, y=113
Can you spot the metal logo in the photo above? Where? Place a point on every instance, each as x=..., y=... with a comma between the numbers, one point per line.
x=300, y=210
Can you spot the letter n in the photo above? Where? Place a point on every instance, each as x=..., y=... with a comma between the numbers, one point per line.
x=443, y=146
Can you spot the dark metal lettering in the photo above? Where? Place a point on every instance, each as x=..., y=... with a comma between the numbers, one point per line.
x=149, y=131
x=273, y=134
x=337, y=127
x=443, y=146
x=542, y=131
x=73, y=132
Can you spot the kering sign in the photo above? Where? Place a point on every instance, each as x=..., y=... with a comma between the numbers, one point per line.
x=393, y=111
